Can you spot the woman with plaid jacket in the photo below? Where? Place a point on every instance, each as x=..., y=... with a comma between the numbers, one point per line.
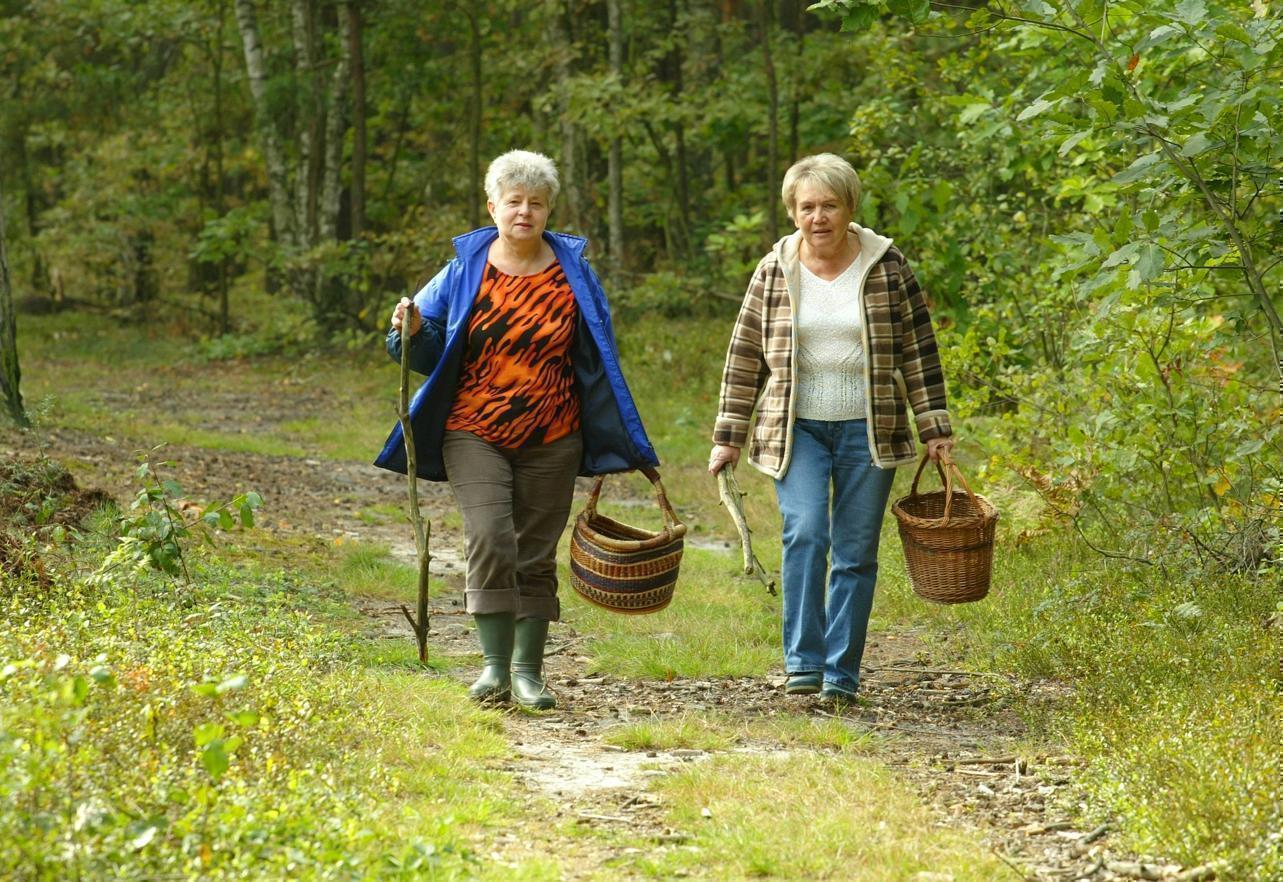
x=833, y=346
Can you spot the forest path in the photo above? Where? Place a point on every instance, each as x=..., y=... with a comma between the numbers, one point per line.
x=950, y=734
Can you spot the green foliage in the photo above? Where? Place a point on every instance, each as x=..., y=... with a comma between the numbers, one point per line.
x=1088, y=204
x=226, y=733
x=233, y=236
x=1175, y=689
x=154, y=536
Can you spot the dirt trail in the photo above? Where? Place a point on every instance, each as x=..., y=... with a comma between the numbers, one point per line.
x=950, y=734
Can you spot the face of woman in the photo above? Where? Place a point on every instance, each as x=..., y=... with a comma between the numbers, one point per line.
x=520, y=214
x=821, y=216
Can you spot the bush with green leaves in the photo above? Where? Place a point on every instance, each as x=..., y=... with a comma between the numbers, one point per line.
x=225, y=733
x=153, y=537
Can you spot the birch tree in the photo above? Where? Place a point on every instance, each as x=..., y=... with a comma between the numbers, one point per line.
x=305, y=200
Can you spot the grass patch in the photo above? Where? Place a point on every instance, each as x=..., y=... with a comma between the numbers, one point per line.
x=694, y=636
x=1176, y=704
x=808, y=816
x=150, y=387
x=383, y=513
x=227, y=729
x=815, y=734
x=690, y=731
x=371, y=571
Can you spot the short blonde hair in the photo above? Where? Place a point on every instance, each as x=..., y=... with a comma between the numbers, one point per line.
x=831, y=172
x=522, y=168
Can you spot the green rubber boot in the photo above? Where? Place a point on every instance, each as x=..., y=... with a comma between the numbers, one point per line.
x=495, y=631
x=528, y=686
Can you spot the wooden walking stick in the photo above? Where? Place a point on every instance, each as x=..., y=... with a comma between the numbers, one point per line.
x=733, y=498
x=422, y=529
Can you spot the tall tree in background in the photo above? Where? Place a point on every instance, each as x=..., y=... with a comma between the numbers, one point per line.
x=475, y=108
x=10, y=374
x=766, y=29
x=673, y=66
x=356, y=52
x=561, y=37
x=305, y=203
x=615, y=161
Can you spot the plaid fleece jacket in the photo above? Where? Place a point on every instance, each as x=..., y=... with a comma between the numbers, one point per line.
x=902, y=364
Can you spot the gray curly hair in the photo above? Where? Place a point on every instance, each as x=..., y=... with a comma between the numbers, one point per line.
x=522, y=168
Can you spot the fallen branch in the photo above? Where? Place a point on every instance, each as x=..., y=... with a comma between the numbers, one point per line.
x=733, y=499
x=938, y=671
x=1139, y=870
x=1095, y=834
x=422, y=530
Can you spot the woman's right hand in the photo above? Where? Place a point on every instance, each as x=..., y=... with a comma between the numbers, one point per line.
x=722, y=455
x=398, y=316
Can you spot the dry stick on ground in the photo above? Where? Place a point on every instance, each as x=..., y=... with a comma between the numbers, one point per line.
x=733, y=498
x=422, y=530
x=900, y=669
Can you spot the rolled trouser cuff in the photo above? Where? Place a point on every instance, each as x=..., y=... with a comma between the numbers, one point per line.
x=485, y=601
x=544, y=607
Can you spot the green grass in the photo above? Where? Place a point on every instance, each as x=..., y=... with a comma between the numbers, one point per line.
x=151, y=388
x=207, y=729
x=369, y=570
x=692, y=731
x=807, y=816
x=718, y=625
x=815, y=734
x=715, y=732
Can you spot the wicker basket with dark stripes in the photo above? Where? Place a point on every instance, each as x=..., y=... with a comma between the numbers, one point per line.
x=947, y=539
x=624, y=568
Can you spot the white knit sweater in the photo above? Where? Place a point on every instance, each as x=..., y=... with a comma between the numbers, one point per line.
x=830, y=349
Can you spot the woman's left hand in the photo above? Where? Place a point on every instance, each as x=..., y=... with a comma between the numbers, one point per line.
x=940, y=449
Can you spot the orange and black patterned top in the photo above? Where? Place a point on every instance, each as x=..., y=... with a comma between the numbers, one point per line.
x=517, y=384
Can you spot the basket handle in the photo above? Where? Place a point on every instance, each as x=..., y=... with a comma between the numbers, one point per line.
x=946, y=478
x=672, y=525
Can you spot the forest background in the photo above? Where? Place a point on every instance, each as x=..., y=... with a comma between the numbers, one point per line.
x=1091, y=191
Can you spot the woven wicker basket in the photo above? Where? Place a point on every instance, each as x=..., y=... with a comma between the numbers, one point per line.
x=947, y=539
x=623, y=568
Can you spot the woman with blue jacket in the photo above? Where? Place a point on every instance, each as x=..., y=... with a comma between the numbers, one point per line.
x=523, y=392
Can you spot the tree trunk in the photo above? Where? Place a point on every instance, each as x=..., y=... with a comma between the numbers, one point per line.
x=772, y=140
x=474, y=119
x=562, y=40
x=278, y=175
x=356, y=54
x=308, y=178
x=220, y=201
x=614, y=174
x=335, y=131
x=674, y=63
x=41, y=279
x=798, y=52
x=10, y=374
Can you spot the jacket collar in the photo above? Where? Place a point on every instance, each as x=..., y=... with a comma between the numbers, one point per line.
x=468, y=245
x=788, y=249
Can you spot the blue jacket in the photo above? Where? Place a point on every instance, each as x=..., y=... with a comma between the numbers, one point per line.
x=613, y=435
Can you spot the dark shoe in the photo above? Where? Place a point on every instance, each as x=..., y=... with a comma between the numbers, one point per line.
x=839, y=698
x=528, y=686
x=807, y=683
x=496, y=632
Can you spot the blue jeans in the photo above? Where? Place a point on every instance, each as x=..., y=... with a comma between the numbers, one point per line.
x=827, y=634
